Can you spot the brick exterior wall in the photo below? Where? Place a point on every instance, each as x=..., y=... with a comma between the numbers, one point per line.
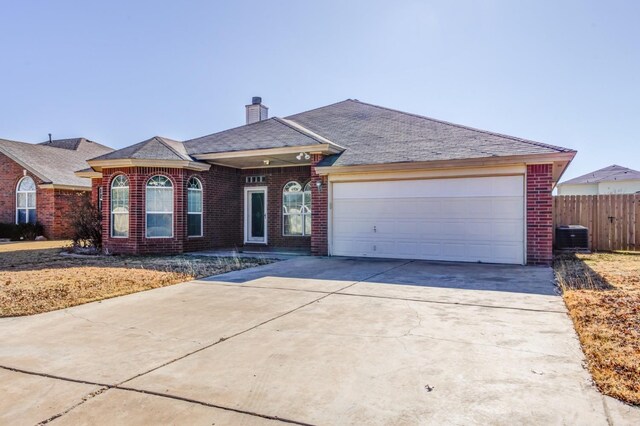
x=64, y=202
x=319, y=211
x=136, y=242
x=276, y=179
x=223, y=208
x=53, y=206
x=539, y=214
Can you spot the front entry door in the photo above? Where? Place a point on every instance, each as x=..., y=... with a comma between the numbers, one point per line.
x=255, y=215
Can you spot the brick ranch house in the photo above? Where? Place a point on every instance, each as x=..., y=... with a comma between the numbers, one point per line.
x=38, y=182
x=347, y=179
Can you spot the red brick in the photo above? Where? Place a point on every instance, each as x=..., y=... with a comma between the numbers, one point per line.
x=539, y=214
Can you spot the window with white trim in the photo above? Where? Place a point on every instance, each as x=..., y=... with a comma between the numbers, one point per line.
x=296, y=209
x=159, y=207
x=194, y=207
x=26, y=201
x=120, y=207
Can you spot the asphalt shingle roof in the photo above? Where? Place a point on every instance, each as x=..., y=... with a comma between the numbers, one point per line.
x=71, y=144
x=271, y=133
x=376, y=135
x=370, y=134
x=55, y=163
x=608, y=174
x=156, y=148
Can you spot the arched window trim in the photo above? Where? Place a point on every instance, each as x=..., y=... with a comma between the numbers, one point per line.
x=305, y=211
x=169, y=187
x=119, y=183
x=29, y=203
x=191, y=214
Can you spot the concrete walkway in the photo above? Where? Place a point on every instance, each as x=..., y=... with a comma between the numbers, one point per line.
x=310, y=341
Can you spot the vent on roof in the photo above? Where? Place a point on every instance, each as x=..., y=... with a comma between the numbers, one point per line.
x=256, y=111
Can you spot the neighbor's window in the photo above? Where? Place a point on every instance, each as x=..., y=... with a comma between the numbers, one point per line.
x=296, y=209
x=120, y=207
x=194, y=208
x=159, y=207
x=26, y=201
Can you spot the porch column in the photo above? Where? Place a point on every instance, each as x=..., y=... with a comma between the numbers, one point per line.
x=319, y=210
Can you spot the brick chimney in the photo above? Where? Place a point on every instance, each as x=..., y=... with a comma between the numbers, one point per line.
x=256, y=111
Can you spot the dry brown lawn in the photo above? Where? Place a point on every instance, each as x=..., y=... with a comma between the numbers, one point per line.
x=35, y=277
x=602, y=293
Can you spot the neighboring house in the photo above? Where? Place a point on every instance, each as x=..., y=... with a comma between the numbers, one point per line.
x=39, y=184
x=610, y=180
x=347, y=179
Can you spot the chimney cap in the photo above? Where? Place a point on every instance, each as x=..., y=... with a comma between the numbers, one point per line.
x=256, y=100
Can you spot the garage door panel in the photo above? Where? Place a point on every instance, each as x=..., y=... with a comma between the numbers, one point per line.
x=505, y=230
x=470, y=219
x=507, y=208
x=465, y=187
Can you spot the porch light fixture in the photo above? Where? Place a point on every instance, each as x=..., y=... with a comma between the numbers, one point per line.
x=319, y=185
x=266, y=162
x=303, y=155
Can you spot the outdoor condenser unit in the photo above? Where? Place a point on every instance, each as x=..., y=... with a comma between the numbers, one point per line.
x=572, y=237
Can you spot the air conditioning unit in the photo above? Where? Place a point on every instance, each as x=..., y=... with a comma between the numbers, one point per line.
x=572, y=237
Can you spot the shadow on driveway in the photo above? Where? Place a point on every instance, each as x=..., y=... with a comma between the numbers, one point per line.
x=448, y=275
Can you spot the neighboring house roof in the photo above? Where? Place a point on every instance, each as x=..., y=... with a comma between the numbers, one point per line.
x=608, y=174
x=378, y=135
x=156, y=148
x=365, y=133
x=55, y=162
x=271, y=133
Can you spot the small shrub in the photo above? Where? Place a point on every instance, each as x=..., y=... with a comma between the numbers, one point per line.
x=9, y=230
x=29, y=231
x=22, y=231
x=87, y=229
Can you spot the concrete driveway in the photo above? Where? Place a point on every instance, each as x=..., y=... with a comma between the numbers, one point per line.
x=309, y=341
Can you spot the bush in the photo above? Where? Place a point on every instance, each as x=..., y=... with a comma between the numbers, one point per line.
x=87, y=229
x=22, y=231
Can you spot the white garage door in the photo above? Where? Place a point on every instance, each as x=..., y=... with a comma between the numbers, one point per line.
x=467, y=219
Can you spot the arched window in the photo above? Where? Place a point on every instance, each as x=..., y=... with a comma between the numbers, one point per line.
x=194, y=208
x=120, y=207
x=159, y=207
x=26, y=201
x=296, y=209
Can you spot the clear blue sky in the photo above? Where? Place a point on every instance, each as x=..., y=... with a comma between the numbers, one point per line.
x=118, y=72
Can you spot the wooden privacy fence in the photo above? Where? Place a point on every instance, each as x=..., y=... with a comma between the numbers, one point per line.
x=613, y=220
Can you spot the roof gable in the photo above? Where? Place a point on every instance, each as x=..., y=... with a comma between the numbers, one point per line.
x=155, y=148
x=265, y=134
x=607, y=174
